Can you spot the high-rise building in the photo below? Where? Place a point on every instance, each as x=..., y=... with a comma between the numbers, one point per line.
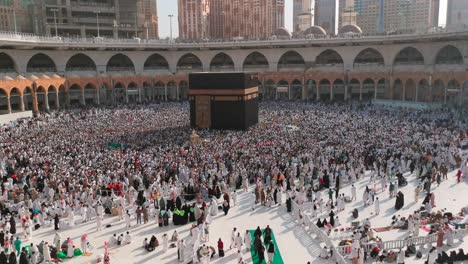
x=149, y=10
x=374, y=16
x=303, y=14
x=109, y=18
x=15, y=15
x=457, y=12
x=348, y=12
x=193, y=19
x=248, y=19
x=326, y=15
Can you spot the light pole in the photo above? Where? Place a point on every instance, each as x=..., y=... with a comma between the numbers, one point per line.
x=55, y=10
x=97, y=22
x=170, y=24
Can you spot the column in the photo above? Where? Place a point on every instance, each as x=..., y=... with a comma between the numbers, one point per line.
x=46, y=101
x=304, y=92
x=126, y=95
x=57, y=102
x=34, y=99
x=317, y=97
x=83, y=98
x=331, y=92
x=67, y=95
x=346, y=92
x=445, y=94
x=289, y=92
x=177, y=92
x=360, y=91
x=376, y=84
x=416, y=96
x=98, y=99
x=165, y=92
x=9, y=104
x=22, y=103
x=403, y=96
x=139, y=94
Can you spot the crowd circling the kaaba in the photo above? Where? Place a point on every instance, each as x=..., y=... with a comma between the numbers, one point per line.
x=137, y=164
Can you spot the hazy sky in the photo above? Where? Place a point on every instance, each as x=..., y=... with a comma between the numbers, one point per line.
x=167, y=7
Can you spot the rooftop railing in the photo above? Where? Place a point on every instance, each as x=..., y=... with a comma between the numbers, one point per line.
x=32, y=38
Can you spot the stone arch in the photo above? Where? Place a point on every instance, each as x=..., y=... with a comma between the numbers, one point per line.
x=382, y=90
x=171, y=90
x=132, y=93
x=338, y=90
x=409, y=56
x=369, y=56
x=80, y=62
x=368, y=89
x=296, y=89
x=62, y=95
x=329, y=57
x=221, y=62
x=410, y=90
x=3, y=101
x=156, y=62
x=28, y=98
x=397, y=90
x=189, y=61
x=75, y=93
x=15, y=99
x=90, y=93
x=424, y=93
x=7, y=64
x=270, y=90
x=41, y=63
x=255, y=60
x=119, y=93
x=159, y=90
x=52, y=96
x=311, y=89
x=183, y=87
x=453, y=93
x=354, y=89
x=282, y=90
x=465, y=94
x=147, y=91
x=291, y=59
x=449, y=55
x=41, y=93
x=120, y=62
x=324, y=90
x=438, y=91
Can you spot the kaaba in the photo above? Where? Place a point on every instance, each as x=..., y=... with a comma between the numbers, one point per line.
x=227, y=101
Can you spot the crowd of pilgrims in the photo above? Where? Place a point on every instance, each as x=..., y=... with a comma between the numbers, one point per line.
x=138, y=162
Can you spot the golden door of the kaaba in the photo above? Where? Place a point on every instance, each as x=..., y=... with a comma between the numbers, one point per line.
x=203, y=111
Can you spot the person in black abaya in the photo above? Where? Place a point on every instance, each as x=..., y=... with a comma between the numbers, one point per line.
x=3, y=257
x=332, y=218
x=56, y=222
x=226, y=207
x=400, y=201
x=12, y=258
x=289, y=204
x=274, y=195
x=2, y=239
x=12, y=225
x=23, y=257
x=258, y=232
x=267, y=233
